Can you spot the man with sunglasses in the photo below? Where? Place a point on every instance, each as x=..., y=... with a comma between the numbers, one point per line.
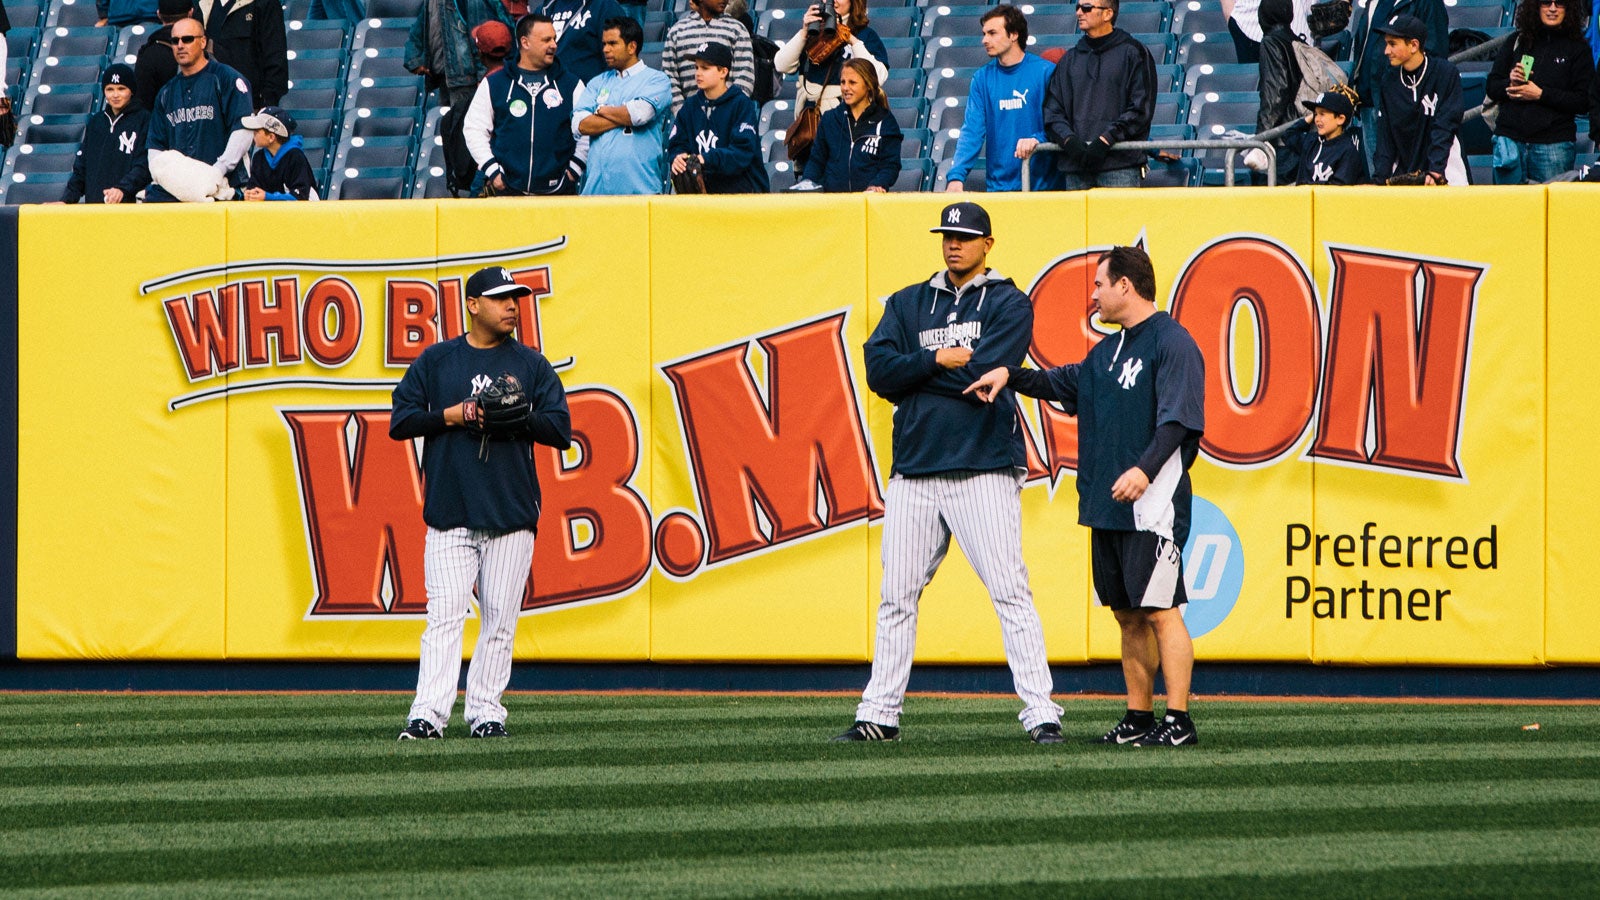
x=1103, y=92
x=200, y=111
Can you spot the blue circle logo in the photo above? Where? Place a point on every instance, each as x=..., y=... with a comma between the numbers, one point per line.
x=1213, y=568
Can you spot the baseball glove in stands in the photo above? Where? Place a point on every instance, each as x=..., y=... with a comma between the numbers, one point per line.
x=692, y=179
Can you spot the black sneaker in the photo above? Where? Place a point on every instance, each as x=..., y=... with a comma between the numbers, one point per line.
x=869, y=731
x=1126, y=732
x=489, y=729
x=420, y=730
x=1170, y=733
x=1047, y=733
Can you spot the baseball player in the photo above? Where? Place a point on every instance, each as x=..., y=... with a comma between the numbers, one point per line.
x=1140, y=403
x=958, y=469
x=481, y=401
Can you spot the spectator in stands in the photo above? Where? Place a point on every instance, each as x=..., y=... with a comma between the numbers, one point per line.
x=858, y=142
x=199, y=113
x=248, y=35
x=154, y=66
x=1368, y=51
x=579, y=24
x=519, y=126
x=5, y=26
x=112, y=166
x=1419, y=111
x=1005, y=110
x=493, y=40
x=819, y=74
x=703, y=23
x=440, y=47
x=624, y=114
x=1536, y=132
x=1247, y=29
x=279, y=170
x=1325, y=146
x=1278, y=80
x=717, y=126
x=1102, y=92
x=122, y=13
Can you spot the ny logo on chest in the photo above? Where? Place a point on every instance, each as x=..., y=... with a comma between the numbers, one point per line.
x=1130, y=373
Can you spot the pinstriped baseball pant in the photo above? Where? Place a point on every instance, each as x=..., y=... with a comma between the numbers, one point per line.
x=453, y=562
x=983, y=511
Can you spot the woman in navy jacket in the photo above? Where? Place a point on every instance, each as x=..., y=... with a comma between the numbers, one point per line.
x=858, y=141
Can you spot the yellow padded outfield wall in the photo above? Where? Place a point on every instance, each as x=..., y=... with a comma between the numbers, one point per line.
x=1395, y=467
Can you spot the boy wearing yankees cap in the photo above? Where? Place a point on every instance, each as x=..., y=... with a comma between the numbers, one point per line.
x=718, y=127
x=958, y=469
x=480, y=495
x=112, y=166
x=279, y=170
x=1139, y=396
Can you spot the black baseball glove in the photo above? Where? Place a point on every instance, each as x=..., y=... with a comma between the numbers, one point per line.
x=503, y=407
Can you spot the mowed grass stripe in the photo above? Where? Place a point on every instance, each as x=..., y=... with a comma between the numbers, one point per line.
x=1547, y=851
x=472, y=791
x=970, y=810
x=431, y=765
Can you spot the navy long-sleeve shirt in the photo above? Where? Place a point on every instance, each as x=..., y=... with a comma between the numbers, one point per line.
x=469, y=482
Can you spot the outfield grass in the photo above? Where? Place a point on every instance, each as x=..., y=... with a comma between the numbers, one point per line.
x=694, y=796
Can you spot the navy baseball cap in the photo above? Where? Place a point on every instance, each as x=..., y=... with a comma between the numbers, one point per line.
x=963, y=218
x=272, y=119
x=495, y=281
x=1408, y=28
x=118, y=73
x=1333, y=102
x=715, y=53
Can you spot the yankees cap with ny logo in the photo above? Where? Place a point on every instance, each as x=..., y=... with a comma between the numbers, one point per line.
x=963, y=218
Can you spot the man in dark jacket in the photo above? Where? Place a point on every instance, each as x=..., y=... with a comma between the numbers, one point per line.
x=111, y=165
x=1102, y=92
x=718, y=126
x=579, y=26
x=519, y=126
x=440, y=46
x=199, y=113
x=155, y=65
x=1419, y=111
x=248, y=35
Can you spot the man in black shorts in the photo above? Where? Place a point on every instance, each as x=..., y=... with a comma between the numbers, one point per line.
x=1140, y=401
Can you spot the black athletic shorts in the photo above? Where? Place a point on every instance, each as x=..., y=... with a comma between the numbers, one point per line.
x=1136, y=570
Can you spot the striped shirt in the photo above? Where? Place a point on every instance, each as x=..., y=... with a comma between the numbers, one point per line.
x=687, y=34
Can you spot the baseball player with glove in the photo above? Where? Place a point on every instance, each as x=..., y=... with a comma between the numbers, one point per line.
x=958, y=469
x=480, y=402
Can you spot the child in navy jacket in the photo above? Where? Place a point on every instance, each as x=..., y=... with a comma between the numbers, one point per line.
x=279, y=170
x=719, y=126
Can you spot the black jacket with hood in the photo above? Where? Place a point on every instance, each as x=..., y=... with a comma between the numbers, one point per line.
x=1102, y=87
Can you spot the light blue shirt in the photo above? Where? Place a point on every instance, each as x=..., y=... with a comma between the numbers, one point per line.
x=627, y=160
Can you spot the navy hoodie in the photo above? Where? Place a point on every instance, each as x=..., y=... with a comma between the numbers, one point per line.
x=937, y=428
x=852, y=155
x=112, y=155
x=579, y=24
x=286, y=175
x=1418, y=116
x=723, y=131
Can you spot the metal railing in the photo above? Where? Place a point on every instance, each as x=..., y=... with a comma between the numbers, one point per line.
x=1263, y=140
x=1232, y=145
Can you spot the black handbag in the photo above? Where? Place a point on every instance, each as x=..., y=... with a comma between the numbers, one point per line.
x=1328, y=18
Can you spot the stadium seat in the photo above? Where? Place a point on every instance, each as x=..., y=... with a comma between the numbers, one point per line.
x=1195, y=48
x=896, y=22
x=1169, y=77
x=329, y=34
x=68, y=76
x=1166, y=173
x=975, y=177
x=21, y=41
x=1052, y=29
x=315, y=67
x=385, y=63
x=1198, y=16
x=781, y=174
x=1476, y=14
x=772, y=146
x=948, y=82
x=1229, y=110
x=955, y=52
x=36, y=189
x=960, y=21
x=1144, y=16
x=385, y=93
x=903, y=83
x=79, y=99
x=1220, y=77
x=72, y=14
x=370, y=184
x=914, y=175
x=1475, y=136
x=393, y=9
x=903, y=52
x=78, y=43
x=27, y=14
x=776, y=114
x=909, y=112
x=126, y=47
x=1172, y=107
x=40, y=159
x=53, y=129
x=650, y=53
x=310, y=99
x=1182, y=132
x=1163, y=47
x=381, y=34
x=947, y=112
x=16, y=74
x=370, y=122
x=1480, y=168
x=363, y=153
x=944, y=144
